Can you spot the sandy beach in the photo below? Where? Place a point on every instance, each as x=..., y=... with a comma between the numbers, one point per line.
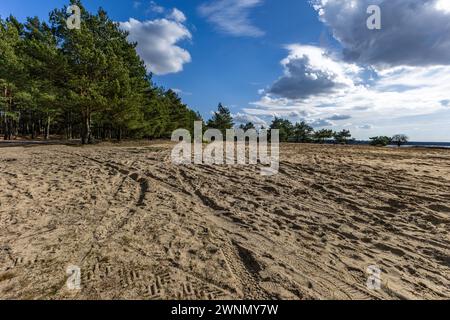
x=140, y=227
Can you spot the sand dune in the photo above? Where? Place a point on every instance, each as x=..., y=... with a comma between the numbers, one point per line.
x=139, y=227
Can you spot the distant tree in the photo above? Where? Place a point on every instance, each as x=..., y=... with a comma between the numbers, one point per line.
x=342, y=137
x=322, y=135
x=247, y=126
x=380, y=141
x=303, y=132
x=285, y=126
x=221, y=120
x=400, y=139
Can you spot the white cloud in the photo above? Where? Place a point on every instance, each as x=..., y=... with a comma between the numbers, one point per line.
x=445, y=102
x=154, y=7
x=320, y=123
x=181, y=92
x=413, y=32
x=387, y=81
x=443, y=5
x=232, y=16
x=243, y=118
x=177, y=15
x=297, y=114
x=309, y=70
x=339, y=117
x=391, y=102
x=157, y=43
x=365, y=126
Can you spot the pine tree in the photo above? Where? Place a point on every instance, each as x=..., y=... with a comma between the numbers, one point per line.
x=81, y=83
x=247, y=126
x=221, y=120
x=285, y=126
x=43, y=64
x=303, y=132
x=322, y=135
x=342, y=137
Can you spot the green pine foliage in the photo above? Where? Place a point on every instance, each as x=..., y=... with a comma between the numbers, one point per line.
x=285, y=126
x=304, y=133
x=221, y=119
x=88, y=83
x=380, y=141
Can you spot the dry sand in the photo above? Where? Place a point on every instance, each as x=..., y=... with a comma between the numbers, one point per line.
x=142, y=228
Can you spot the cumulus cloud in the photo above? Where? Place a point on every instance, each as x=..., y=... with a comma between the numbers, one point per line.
x=157, y=42
x=177, y=15
x=413, y=32
x=339, y=117
x=231, y=16
x=309, y=70
x=243, y=118
x=386, y=81
x=443, y=5
x=365, y=126
x=318, y=123
x=392, y=100
x=298, y=114
x=445, y=102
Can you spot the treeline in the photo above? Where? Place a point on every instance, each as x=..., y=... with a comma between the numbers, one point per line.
x=88, y=83
x=300, y=132
x=382, y=141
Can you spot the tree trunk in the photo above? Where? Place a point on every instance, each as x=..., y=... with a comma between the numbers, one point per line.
x=86, y=133
x=33, y=133
x=84, y=129
x=89, y=131
x=6, y=136
x=6, y=121
x=119, y=135
x=47, y=129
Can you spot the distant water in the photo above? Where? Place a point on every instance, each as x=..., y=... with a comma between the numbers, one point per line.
x=427, y=144
x=416, y=144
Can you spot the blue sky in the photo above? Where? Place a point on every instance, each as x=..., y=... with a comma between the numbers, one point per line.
x=290, y=58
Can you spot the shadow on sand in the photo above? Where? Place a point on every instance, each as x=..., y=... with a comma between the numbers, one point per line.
x=35, y=143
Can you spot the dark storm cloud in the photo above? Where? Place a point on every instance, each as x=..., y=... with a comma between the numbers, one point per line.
x=413, y=32
x=303, y=80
